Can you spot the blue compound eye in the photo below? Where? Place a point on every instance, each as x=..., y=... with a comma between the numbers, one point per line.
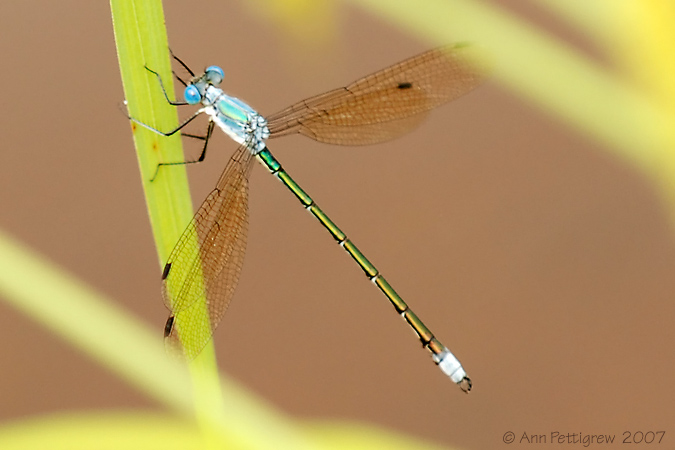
x=214, y=75
x=192, y=95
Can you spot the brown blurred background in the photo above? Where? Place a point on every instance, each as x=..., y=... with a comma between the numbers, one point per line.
x=543, y=261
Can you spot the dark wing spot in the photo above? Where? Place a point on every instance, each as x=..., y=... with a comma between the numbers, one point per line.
x=168, y=327
x=167, y=269
x=404, y=85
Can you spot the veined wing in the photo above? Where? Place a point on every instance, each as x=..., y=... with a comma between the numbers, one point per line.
x=383, y=105
x=204, y=266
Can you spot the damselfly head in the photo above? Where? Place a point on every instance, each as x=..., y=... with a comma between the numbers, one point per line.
x=195, y=91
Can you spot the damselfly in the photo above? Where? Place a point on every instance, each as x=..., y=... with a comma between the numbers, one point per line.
x=203, y=268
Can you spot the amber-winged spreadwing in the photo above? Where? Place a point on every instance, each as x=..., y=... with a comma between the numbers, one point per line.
x=205, y=264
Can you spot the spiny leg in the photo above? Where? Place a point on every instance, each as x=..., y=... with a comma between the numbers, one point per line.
x=167, y=133
x=171, y=102
x=205, y=138
x=161, y=85
x=180, y=61
x=179, y=78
